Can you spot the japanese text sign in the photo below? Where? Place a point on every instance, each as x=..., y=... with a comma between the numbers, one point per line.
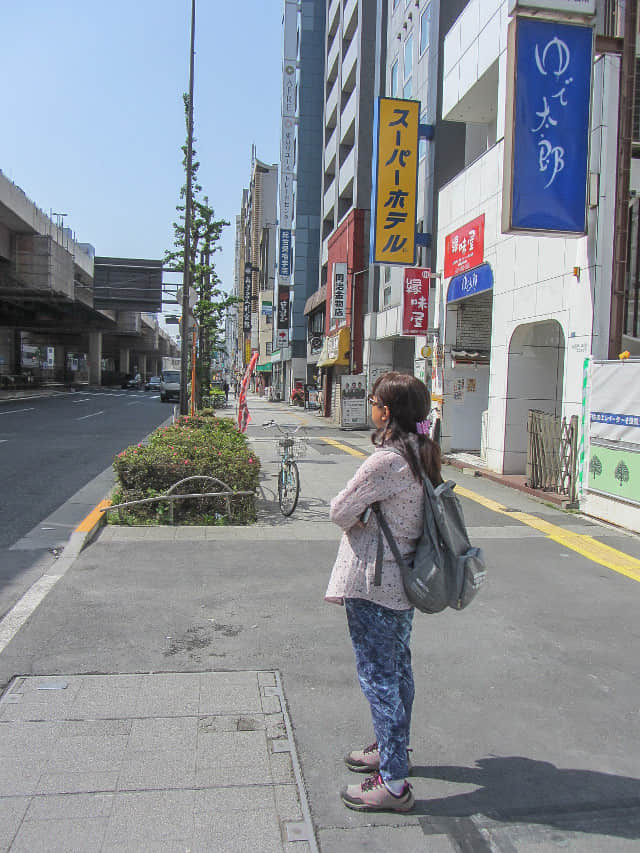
x=415, y=301
x=464, y=248
x=547, y=139
x=284, y=263
x=395, y=175
x=470, y=283
x=283, y=307
x=247, y=298
x=339, y=292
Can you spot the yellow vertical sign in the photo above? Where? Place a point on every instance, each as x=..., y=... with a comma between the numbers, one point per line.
x=247, y=351
x=395, y=177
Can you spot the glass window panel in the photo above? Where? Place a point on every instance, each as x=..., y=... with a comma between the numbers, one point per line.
x=425, y=20
x=408, y=57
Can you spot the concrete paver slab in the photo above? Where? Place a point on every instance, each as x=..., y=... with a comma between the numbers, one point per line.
x=161, y=761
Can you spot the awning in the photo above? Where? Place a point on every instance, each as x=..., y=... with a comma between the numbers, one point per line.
x=335, y=349
x=470, y=283
x=264, y=368
x=315, y=299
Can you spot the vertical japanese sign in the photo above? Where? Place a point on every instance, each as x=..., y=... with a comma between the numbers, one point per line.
x=247, y=299
x=284, y=254
x=547, y=127
x=464, y=248
x=339, y=292
x=283, y=307
x=288, y=111
x=415, y=301
x=394, y=184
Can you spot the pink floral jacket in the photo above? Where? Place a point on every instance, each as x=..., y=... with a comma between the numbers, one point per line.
x=385, y=477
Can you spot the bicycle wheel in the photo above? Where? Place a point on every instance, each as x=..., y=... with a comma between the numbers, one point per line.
x=288, y=487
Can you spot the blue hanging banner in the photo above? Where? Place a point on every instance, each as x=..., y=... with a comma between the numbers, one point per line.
x=547, y=155
x=470, y=283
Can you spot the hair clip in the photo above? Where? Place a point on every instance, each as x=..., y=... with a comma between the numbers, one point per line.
x=423, y=427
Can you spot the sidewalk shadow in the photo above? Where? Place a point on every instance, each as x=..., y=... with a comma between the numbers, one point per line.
x=518, y=789
x=308, y=509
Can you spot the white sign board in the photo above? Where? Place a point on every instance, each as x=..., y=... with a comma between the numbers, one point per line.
x=615, y=402
x=339, y=292
x=576, y=7
x=353, y=401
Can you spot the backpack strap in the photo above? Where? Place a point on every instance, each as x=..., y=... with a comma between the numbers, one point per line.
x=383, y=527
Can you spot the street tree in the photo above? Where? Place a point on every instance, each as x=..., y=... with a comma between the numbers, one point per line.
x=205, y=233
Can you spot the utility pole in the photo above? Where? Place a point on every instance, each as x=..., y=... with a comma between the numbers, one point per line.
x=186, y=280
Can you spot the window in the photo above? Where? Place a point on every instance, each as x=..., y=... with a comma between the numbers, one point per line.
x=422, y=148
x=386, y=296
x=394, y=79
x=387, y=274
x=425, y=21
x=395, y=3
x=408, y=66
x=269, y=346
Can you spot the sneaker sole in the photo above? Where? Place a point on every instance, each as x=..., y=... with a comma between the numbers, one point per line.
x=362, y=768
x=363, y=807
x=369, y=768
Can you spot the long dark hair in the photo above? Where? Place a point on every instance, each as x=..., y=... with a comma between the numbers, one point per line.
x=409, y=403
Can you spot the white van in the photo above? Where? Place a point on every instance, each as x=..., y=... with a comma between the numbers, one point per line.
x=170, y=385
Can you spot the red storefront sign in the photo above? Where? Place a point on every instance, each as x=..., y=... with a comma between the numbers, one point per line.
x=464, y=248
x=415, y=301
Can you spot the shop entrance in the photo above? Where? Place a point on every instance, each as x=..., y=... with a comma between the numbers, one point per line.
x=534, y=381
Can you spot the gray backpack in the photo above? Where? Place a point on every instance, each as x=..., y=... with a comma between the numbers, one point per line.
x=447, y=571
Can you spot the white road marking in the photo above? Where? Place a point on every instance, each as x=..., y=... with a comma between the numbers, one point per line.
x=134, y=403
x=84, y=400
x=93, y=415
x=15, y=411
x=19, y=614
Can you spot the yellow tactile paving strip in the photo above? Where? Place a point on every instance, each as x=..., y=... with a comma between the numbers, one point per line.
x=584, y=545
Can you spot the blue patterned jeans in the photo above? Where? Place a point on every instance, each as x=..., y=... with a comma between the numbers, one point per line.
x=380, y=638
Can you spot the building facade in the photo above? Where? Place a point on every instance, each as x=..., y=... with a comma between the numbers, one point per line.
x=255, y=265
x=352, y=34
x=518, y=342
x=300, y=185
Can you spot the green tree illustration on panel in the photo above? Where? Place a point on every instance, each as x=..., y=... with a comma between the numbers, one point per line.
x=595, y=466
x=621, y=473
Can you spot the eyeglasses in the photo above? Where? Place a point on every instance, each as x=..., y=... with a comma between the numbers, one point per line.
x=373, y=402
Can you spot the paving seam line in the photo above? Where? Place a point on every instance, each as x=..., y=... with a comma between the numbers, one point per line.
x=297, y=771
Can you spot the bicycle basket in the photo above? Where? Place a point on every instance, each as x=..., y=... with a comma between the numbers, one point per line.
x=296, y=444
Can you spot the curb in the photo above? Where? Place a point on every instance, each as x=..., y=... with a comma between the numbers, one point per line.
x=549, y=497
x=86, y=530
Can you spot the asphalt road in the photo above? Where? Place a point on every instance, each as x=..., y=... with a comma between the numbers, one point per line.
x=50, y=447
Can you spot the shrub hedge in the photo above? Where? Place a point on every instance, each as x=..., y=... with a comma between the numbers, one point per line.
x=198, y=445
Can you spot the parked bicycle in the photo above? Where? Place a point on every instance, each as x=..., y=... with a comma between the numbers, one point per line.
x=291, y=446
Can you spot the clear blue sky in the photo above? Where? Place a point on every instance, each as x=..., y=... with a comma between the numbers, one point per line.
x=92, y=113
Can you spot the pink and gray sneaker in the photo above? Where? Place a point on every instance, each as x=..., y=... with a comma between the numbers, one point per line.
x=367, y=760
x=372, y=795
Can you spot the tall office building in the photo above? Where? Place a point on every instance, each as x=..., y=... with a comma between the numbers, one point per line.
x=300, y=185
x=350, y=64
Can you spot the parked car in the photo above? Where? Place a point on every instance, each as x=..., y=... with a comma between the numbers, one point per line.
x=133, y=382
x=153, y=384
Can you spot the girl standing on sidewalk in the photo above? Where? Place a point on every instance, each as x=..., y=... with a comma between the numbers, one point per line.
x=380, y=616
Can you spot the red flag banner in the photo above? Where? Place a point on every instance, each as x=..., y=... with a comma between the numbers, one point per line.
x=243, y=410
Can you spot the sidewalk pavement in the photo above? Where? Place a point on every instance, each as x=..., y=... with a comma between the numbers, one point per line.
x=187, y=689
